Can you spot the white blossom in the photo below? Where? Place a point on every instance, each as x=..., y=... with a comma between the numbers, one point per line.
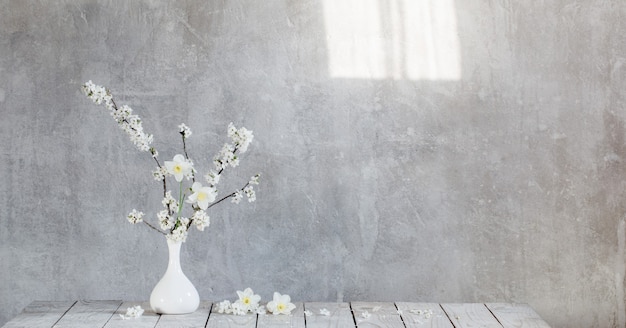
x=223, y=307
x=130, y=123
x=159, y=174
x=249, y=191
x=255, y=179
x=170, y=203
x=260, y=310
x=281, y=304
x=182, y=221
x=96, y=93
x=202, y=196
x=226, y=157
x=212, y=178
x=200, y=219
x=179, y=167
x=164, y=220
x=365, y=315
x=248, y=299
x=179, y=234
x=237, y=196
x=325, y=312
x=135, y=216
x=184, y=130
x=238, y=309
x=308, y=313
x=241, y=137
x=132, y=312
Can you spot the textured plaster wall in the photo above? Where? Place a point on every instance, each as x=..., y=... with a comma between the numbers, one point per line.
x=504, y=184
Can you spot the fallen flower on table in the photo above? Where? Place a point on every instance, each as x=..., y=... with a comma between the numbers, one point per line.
x=308, y=313
x=223, y=307
x=281, y=304
x=132, y=313
x=425, y=314
x=366, y=315
x=325, y=312
x=261, y=310
x=248, y=299
x=247, y=302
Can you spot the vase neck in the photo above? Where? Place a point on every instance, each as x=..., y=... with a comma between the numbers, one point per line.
x=174, y=255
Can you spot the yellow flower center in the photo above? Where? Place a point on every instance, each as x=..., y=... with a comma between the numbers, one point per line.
x=280, y=307
x=246, y=300
x=178, y=169
x=201, y=196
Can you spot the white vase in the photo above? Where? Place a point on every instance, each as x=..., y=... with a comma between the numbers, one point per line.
x=174, y=293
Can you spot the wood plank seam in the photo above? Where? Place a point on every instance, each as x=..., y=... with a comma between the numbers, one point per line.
x=304, y=310
x=113, y=314
x=206, y=323
x=493, y=314
x=64, y=313
x=446, y=313
x=352, y=312
x=398, y=311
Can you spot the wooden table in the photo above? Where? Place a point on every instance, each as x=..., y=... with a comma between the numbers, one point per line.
x=356, y=314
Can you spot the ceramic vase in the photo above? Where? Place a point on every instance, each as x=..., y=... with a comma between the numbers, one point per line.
x=174, y=293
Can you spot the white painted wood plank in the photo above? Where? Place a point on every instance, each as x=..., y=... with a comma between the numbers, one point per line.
x=88, y=314
x=295, y=319
x=376, y=314
x=516, y=315
x=40, y=314
x=339, y=315
x=222, y=320
x=470, y=315
x=419, y=315
x=197, y=319
x=147, y=320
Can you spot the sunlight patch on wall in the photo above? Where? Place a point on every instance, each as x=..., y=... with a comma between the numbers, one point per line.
x=392, y=39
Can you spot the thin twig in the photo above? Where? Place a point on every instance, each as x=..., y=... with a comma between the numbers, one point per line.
x=157, y=230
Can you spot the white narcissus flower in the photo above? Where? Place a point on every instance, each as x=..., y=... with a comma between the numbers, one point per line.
x=248, y=299
x=281, y=304
x=202, y=196
x=179, y=167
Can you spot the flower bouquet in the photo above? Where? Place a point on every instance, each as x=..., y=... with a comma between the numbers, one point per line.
x=173, y=221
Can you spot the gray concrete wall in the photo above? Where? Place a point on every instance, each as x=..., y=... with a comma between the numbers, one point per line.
x=502, y=180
